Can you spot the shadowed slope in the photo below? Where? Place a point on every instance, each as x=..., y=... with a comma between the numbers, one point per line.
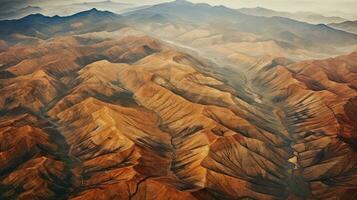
x=121, y=115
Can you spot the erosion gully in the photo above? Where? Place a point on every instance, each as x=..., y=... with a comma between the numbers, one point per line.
x=282, y=125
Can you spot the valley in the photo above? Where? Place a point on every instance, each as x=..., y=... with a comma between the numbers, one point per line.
x=145, y=106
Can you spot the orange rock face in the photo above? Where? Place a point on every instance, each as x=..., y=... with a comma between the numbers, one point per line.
x=336, y=76
x=122, y=116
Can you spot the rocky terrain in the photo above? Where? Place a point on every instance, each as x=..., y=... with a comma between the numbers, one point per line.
x=112, y=113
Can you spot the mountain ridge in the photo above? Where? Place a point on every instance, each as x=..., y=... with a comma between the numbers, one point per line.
x=96, y=106
x=308, y=17
x=220, y=20
x=190, y=11
x=42, y=26
x=348, y=26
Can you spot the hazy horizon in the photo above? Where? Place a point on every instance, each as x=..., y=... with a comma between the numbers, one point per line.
x=279, y=5
x=328, y=8
x=157, y=100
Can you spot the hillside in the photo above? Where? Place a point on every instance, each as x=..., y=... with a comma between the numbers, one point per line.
x=93, y=107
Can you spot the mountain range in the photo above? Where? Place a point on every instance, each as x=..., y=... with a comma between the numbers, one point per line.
x=107, y=5
x=308, y=17
x=176, y=101
x=42, y=27
x=20, y=13
x=219, y=25
x=348, y=26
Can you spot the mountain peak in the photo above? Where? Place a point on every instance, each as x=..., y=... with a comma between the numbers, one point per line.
x=94, y=10
x=182, y=2
x=37, y=15
x=262, y=8
x=88, y=12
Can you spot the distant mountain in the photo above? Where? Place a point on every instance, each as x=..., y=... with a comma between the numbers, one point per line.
x=40, y=26
x=278, y=28
x=348, y=26
x=308, y=17
x=126, y=10
x=188, y=23
x=351, y=16
x=185, y=10
x=202, y=104
x=120, y=115
x=19, y=13
x=108, y=5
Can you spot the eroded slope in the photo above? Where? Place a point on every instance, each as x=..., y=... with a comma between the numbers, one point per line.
x=119, y=115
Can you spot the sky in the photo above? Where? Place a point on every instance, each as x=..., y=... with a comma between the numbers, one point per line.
x=326, y=7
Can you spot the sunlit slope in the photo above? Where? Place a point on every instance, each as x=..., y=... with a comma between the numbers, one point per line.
x=117, y=114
